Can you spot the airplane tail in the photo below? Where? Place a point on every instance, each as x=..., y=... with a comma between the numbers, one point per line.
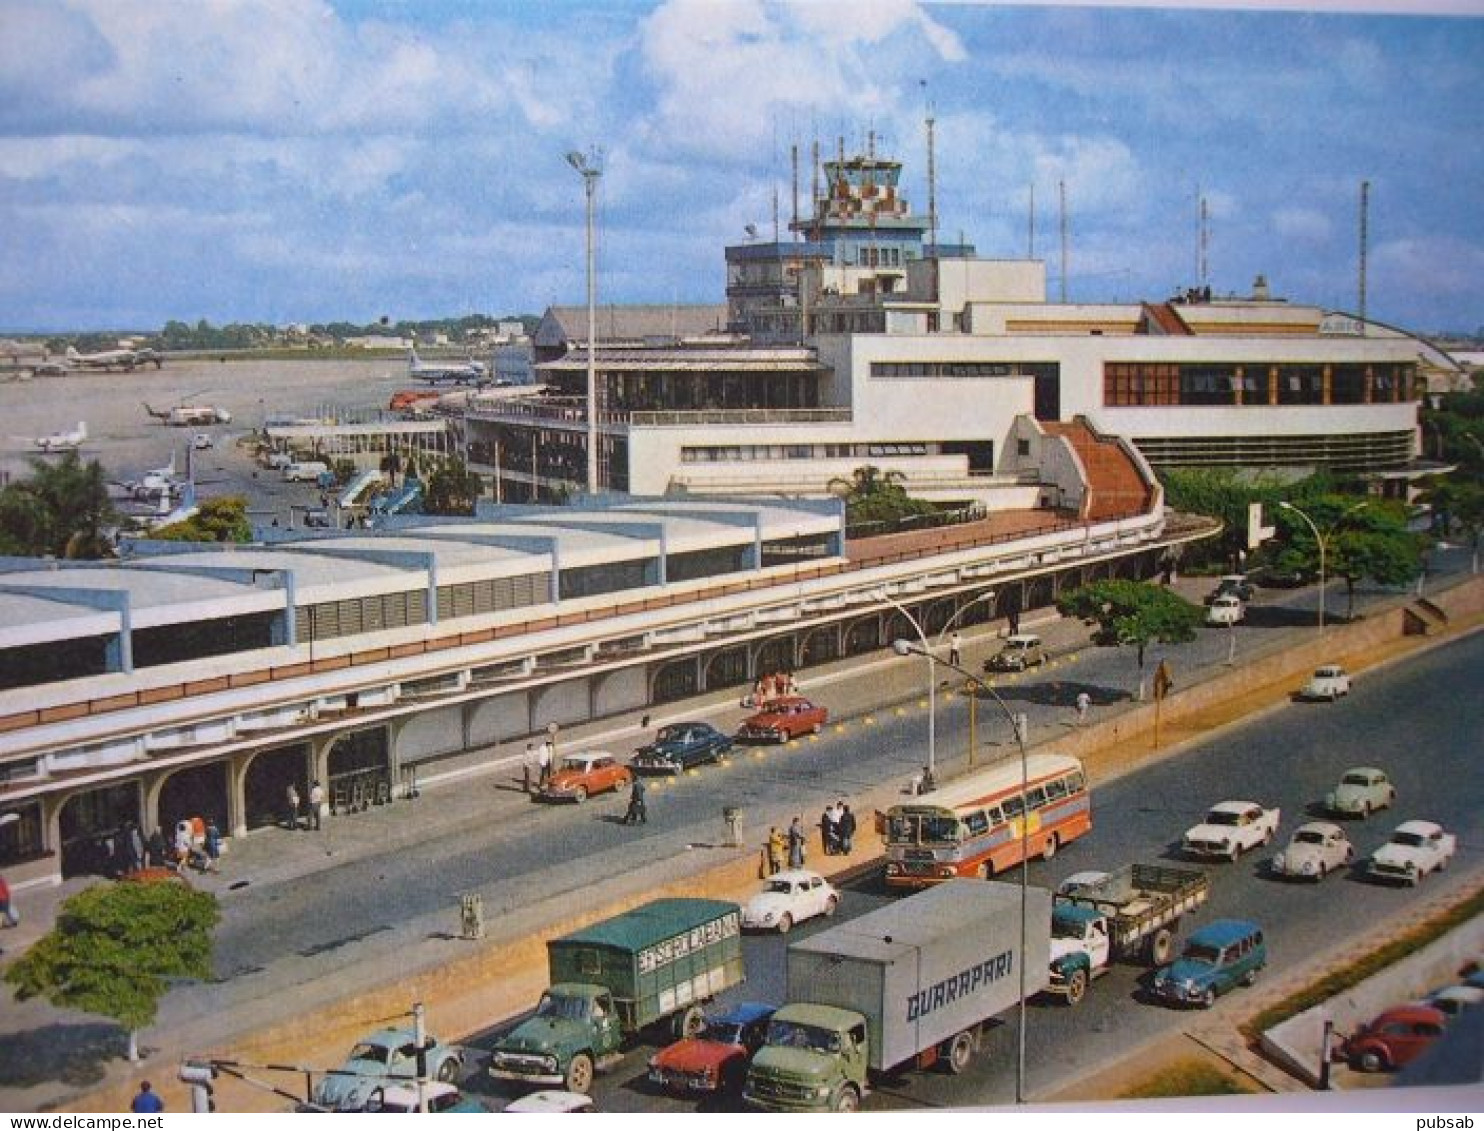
x=72, y=354
x=82, y=431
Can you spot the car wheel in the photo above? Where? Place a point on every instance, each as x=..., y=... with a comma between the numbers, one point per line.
x=1250, y=978
x=580, y=1073
x=1076, y=986
x=579, y=795
x=785, y=924
x=848, y=1099
x=816, y=728
x=448, y=1071
x=831, y=905
x=1372, y=1061
x=1365, y=810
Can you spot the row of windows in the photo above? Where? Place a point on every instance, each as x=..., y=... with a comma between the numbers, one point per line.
x=750, y=453
x=1229, y=383
x=492, y=595
x=361, y=614
x=918, y=369
x=980, y=821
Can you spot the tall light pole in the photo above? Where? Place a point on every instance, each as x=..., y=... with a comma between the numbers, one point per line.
x=926, y=650
x=590, y=168
x=1319, y=538
x=906, y=647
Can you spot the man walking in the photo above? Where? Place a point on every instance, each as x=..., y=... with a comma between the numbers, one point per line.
x=847, y=829
x=636, y=815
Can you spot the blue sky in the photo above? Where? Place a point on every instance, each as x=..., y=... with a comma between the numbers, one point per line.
x=304, y=160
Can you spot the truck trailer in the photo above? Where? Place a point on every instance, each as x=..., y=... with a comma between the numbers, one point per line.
x=910, y=984
x=659, y=962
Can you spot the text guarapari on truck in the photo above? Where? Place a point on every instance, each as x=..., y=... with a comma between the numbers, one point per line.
x=974, y=827
x=658, y=962
x=910, y=984
x=1134, y=913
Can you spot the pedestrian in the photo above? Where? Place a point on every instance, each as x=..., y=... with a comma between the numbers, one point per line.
x=213, y=844
x=828, y=833
x=134, y=846
x=543, y=762
x=316, y=803
x=636, y=814
x=147, y=1101
x=183, y=846
x=955, y=649
x=156, y=848
x=847, y=829
x=527, y=764
x=796, y=843
x=7, y=909
x=291, y=801
x=777, y=846
x=1084, y=702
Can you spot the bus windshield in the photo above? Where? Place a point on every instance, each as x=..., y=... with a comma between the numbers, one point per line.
x=923, y=828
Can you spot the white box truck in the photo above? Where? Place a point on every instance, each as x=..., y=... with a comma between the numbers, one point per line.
x=907, y=985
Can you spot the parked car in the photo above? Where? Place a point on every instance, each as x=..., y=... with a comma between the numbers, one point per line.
x=1227, y=609
x=1328, y=682
x=1230, y=829
x=716, y=1060
x=553, y=1102
x=783, y=719
x=1393, y=1038
x=384, y=1054
x=578, y=776
x=1079, y=882
x=1219, y=956
x=1235, y=584
x=1414, y=850
x=1453, y=1000
x=681, y=746
x=1360, y=792
x=202, y=441
x=401, y=1099
x=788, y=898
x=1314, y=851
x=1021, y=651
x=304, y=471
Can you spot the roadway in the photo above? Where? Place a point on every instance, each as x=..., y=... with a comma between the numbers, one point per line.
x=1420, y=721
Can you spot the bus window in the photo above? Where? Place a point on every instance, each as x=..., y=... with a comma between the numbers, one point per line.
x=940, y=830
x=976, y=823
x=1056, y=790
x=995, y=816
x=902, y=830
x=1012, y=807
x=1035, y=798
x=1074, y=782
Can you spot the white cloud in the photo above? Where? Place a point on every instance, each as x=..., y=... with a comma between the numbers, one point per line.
x=1306, y=225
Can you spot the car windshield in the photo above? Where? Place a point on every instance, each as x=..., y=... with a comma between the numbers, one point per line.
x=378, y=1054
x=1355, y=779
x=723, y=1032
x=1203, y=952
x=576, y=765
x=790, y=1034
x=669, y=734
x=1223, y=817
x=565, y=1008
x=1411, y=840
x=1308, y=836
x=780, y=887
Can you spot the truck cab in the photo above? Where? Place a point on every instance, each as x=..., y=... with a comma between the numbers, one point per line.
x=1080, y=949
x=814, y=1058
x=575, y=1026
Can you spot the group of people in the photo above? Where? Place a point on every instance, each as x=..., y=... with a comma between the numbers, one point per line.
x=774, y=685
x=316, y=810
x=538, y=762
x=198, y=844
x=837, y=829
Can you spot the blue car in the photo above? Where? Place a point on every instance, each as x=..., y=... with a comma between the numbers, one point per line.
x=1219, y=956
x=680, y=747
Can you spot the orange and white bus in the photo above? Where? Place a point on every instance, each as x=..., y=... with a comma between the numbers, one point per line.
x=974, y=827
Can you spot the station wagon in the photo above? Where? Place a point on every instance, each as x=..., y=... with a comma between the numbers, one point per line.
x=1219, y=956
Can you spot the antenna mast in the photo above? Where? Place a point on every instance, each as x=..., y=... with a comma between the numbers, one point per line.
x=1061, y=188
x=932, y=176
x=1031, y=229
x=793, y=152
x=1365, y=207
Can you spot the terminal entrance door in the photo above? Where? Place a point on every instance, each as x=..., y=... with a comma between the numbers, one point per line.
x=360, y=770
x=91, y=829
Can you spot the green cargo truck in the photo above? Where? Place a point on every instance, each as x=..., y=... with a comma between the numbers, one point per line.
x=659, y=962
x=911, y=984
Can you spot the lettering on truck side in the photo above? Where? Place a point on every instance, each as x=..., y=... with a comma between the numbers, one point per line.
x=959, y=985
x=651, y=958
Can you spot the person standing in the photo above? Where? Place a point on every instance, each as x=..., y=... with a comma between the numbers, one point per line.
x=7, y=909
x=955, y=649
x=291, y=803
x=636, y=814
x=777, y=846
x=827, y=834
x=796, y=843
x=213, y=843
x=316, y=803
x=527, y=766
x=147, y=1102
x=155, y=847
x=1084, y=703
x=543, y=763
x=847, y=829
x=134, y=846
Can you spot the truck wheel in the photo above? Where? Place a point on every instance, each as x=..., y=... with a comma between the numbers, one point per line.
x=580, y=1073
x=689, y=1022
x=1160, y=946
x=1076, y=986
x=848, y=1099
x=960, y=1053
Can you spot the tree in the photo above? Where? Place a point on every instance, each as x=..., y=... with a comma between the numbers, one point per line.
x=452, y=489
x=1134, y=612
x=222, y=519
x=60, y=510
x=876, y=498
x=1363, y=539
x=114, y=948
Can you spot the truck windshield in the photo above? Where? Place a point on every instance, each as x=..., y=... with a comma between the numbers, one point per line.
x=567, y=1008
x=1066, y=928
x=791, y=1034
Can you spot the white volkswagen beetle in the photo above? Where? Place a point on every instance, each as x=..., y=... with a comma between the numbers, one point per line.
x=1314, y=851
x=789, y=897
x=1329, y=681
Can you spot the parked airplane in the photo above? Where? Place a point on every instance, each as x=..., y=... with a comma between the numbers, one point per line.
x=67, y=441
x=453, y=372
x=156, y=483
x=113, y=359
x=191, y=415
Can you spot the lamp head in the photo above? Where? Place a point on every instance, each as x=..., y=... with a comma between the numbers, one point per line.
x=577, y=161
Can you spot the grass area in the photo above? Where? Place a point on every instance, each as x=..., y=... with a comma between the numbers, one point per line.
x=1338, y=981
x=1190, y=1077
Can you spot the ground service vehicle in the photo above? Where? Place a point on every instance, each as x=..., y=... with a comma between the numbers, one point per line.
x=973, y=827
x=1133, y=913
x=661, y=961
x=906, y=985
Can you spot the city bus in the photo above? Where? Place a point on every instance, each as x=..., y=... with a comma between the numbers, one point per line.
x=976, y=827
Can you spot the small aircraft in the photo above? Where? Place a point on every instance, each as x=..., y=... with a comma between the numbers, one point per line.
x=434, y=373
x=156, y=483
x=67, y=441
x=184, y=415
x=127, y=360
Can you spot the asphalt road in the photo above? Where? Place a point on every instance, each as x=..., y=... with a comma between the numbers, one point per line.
x=1420, y=721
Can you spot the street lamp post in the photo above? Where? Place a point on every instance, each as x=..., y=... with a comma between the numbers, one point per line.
x=1319, y=538
x=906, y=647
x=589, y=168
x=930, y=778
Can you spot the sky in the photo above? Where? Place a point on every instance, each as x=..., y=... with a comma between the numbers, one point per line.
x=289, y=161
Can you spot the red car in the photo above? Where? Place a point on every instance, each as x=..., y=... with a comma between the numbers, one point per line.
x=716, y=1060
x=783, y=719
x=578, y=776
x=1394, y=1038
